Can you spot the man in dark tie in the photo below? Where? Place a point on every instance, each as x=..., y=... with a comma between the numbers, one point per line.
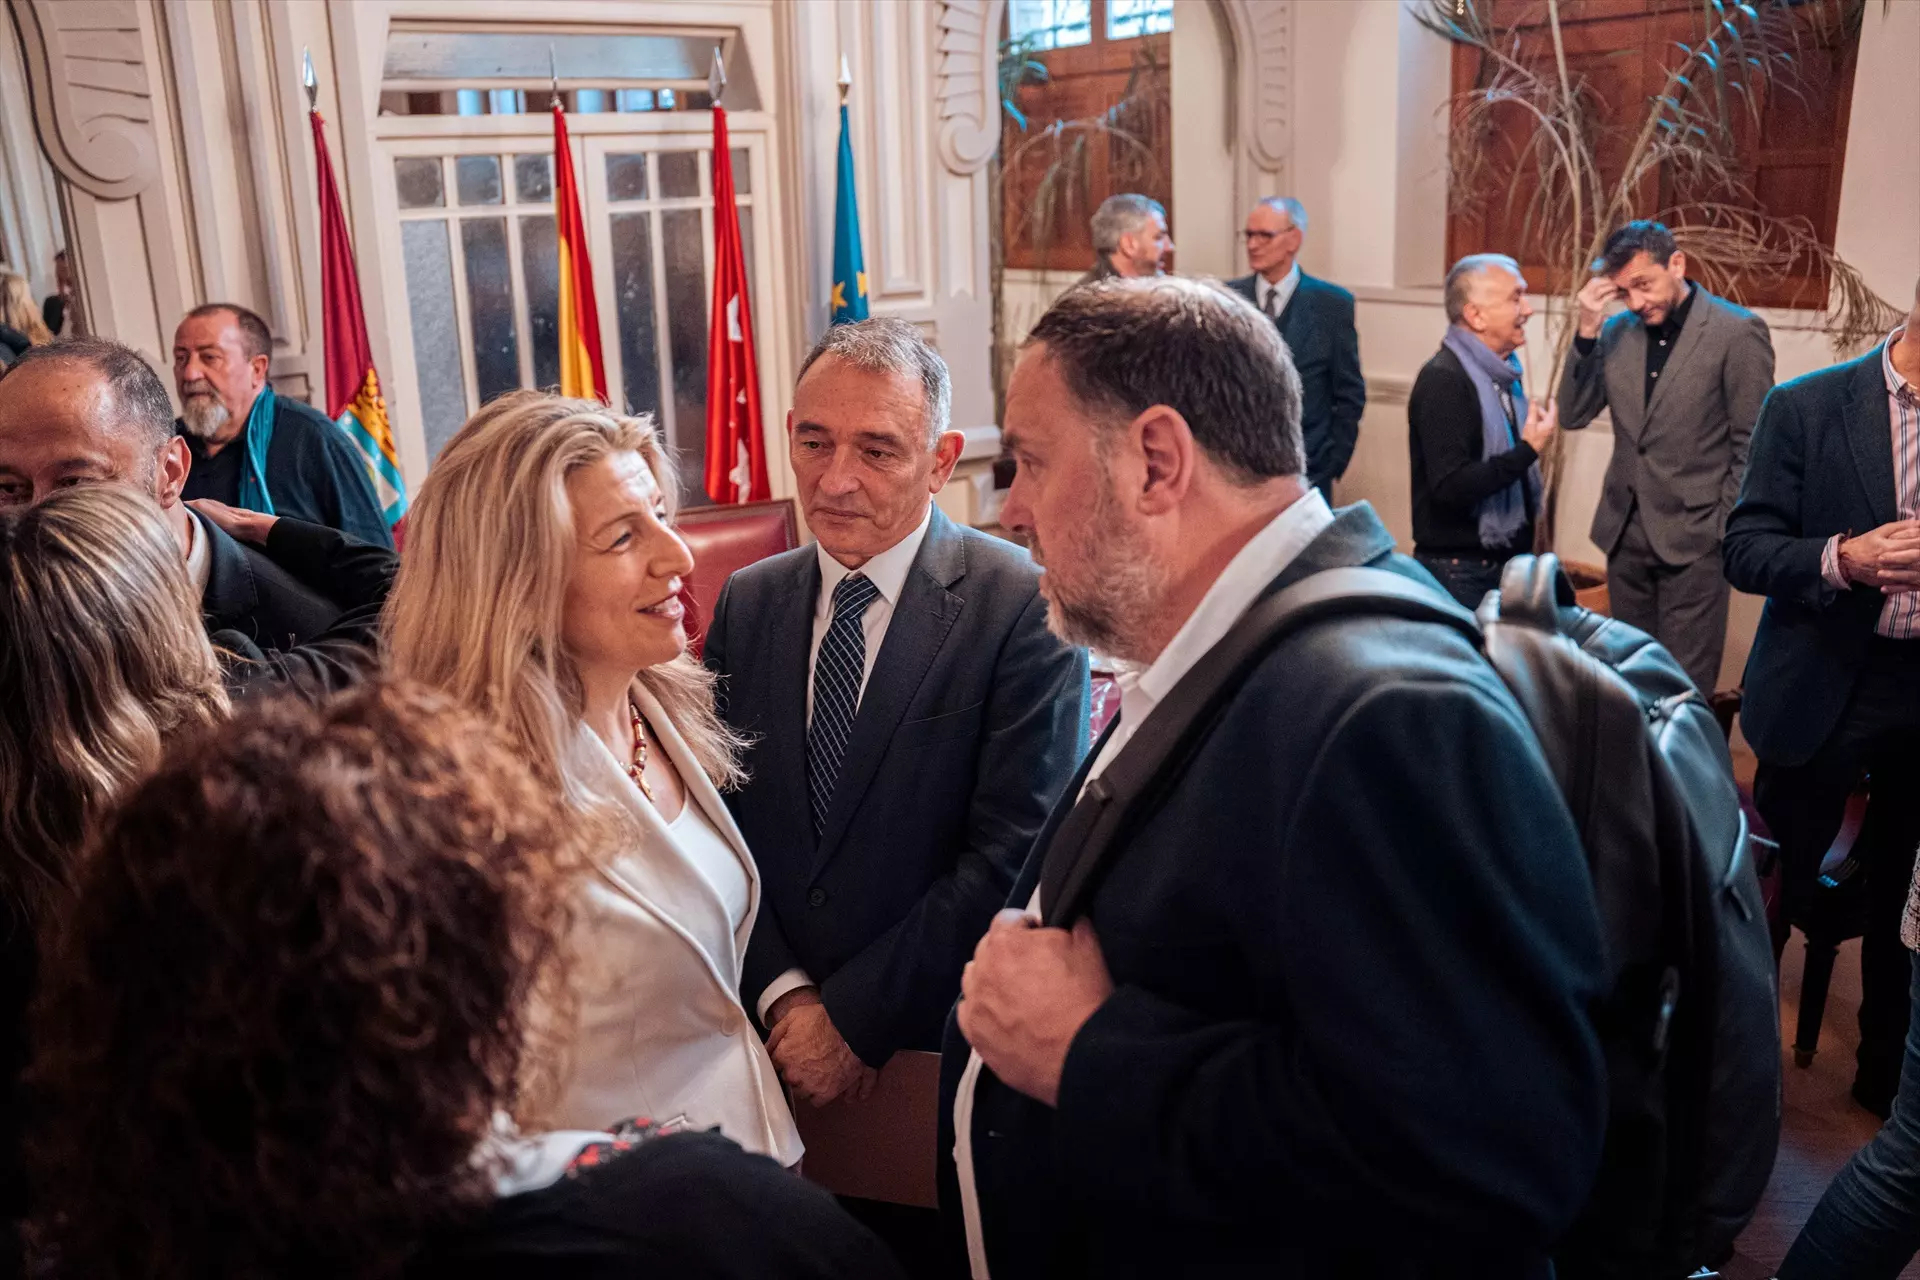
x=912, y=720
x=1316, y=319
x=1828, y=530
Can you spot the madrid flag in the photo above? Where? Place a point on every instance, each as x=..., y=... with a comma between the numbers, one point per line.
x=353, y=388
x=736, y=449
x=583, y=372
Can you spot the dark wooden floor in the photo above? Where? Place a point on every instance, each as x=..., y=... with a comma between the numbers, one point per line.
x=1822, y=1125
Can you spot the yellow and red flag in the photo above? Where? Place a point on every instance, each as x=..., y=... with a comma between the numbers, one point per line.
x=736, y=447
x=583, y=372
x=353, y=388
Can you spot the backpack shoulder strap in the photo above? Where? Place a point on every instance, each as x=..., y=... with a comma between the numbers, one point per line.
x=1177, y=727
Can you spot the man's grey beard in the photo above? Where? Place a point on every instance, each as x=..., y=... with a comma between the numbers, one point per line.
x=203, y=416
x=1113, y=612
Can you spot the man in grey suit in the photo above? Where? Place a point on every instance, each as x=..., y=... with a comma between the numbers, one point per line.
x=1683, y=374
x=912, y=720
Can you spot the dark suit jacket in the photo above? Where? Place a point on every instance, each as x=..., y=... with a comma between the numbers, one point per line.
x=1822, y=464
x=1318, y=327
x=1451, y=473
x=1678, y=456
x=250, y=594
x=970, y=725
x=1353, y=953
x=340, y=578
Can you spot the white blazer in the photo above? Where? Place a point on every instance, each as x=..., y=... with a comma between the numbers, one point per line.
x=660, y=1030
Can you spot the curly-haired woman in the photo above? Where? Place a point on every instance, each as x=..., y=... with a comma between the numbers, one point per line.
x=540, y=587
x=288, y=1016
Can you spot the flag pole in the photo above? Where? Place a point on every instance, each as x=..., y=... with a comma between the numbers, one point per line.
x=716, y=79
x=307, y=79
x=553, y=73
x=846, y=79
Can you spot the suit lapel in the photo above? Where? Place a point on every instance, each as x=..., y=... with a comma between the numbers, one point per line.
x=1870, y=437
x=1701, y=318
x=780, y=760
x=921, y=620
x=701, y=791
x=232, y=596
x=1626, y=377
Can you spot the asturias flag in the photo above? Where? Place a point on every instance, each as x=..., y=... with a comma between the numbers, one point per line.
x=849, y=268
x=583, y=372
x=353, y=388
x=736, y=448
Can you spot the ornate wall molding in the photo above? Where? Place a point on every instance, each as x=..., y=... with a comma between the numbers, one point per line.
x=968, y=87
x=92, y=102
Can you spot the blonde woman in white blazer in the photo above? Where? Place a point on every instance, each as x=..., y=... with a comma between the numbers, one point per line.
x=540, y=585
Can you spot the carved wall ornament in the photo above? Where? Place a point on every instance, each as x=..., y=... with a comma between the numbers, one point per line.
x=92, y=103
x=969, y=80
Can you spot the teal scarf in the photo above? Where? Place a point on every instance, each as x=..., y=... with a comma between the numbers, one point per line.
x=257, y=436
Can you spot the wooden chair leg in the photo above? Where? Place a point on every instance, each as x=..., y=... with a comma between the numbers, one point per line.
x=1815, y=977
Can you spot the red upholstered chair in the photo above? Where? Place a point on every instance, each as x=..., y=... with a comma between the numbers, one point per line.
x=726, y=538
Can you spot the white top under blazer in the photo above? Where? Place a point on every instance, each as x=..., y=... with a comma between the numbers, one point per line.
x=658, y=947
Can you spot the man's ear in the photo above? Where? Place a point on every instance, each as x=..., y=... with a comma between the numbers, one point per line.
x=1169, y=455
x=260, y=365
x=170, y=472
x=946, y=456
x=1678, y=264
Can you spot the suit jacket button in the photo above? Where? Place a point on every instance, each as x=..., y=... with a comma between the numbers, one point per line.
x=816, y=897
x=731, y=1024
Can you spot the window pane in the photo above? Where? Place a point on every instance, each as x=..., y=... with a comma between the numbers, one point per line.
x=533, y=179
x=633, y=99
x=506, y=102
x=496, y=352
x=470, y=102
x=742, y=172
x=1050, y=24
x=679, y=174
x=633, y=309
x=627, y=177
x=436, y=332
x=477, y=178
x=1129, y=18
x=540, y=268
x=420, y=181
x=685, y=238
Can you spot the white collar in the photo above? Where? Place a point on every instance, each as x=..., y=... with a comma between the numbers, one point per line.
x=1285, y=285
x=887, y=571
x=1251, y=571
x=199, y=554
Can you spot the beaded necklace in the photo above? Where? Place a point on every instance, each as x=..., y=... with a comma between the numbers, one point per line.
x=637, y=768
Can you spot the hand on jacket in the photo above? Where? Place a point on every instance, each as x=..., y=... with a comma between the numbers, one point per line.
x=248, y=526
x=1887, y=557
x=1593, y=298
x=810, y=1053
x=1025, y=995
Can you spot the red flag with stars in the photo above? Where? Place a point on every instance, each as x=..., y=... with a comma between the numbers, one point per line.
x=736, y=446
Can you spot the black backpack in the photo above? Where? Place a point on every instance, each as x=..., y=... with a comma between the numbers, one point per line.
x=1690, y=1028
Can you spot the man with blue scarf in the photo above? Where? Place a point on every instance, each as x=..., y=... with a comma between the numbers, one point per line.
x=257, y=450
x=1474, y=437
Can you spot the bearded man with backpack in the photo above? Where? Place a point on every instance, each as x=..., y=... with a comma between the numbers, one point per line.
x=1315, y=972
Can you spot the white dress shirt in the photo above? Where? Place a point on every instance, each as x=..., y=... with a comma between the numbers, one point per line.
x=888, y=573
x=1280, y=293
x=1239, y=585
x=199, y=554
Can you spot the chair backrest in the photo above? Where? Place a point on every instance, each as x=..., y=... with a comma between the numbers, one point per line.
x=724, y=539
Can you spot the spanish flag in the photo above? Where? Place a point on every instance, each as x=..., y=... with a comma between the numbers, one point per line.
x=353, y=388
x=736, y=448
x=583, y=372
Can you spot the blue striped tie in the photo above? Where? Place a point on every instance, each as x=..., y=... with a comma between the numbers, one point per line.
x=836, y=690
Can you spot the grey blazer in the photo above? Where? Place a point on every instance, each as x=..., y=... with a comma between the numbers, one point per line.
x=1682, y=452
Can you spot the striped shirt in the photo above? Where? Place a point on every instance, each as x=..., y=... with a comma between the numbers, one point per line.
x=1900, y=615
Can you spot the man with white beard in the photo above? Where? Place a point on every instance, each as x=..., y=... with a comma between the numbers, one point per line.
x=258, y=450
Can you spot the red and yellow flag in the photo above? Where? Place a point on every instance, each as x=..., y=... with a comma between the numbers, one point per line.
x=583, y=372
x=736, y=447
x=353, y=388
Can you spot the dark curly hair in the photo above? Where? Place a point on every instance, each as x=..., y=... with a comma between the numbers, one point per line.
x=293, y=992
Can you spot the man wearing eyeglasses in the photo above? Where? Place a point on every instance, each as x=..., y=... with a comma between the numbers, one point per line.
x=1316, y=319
